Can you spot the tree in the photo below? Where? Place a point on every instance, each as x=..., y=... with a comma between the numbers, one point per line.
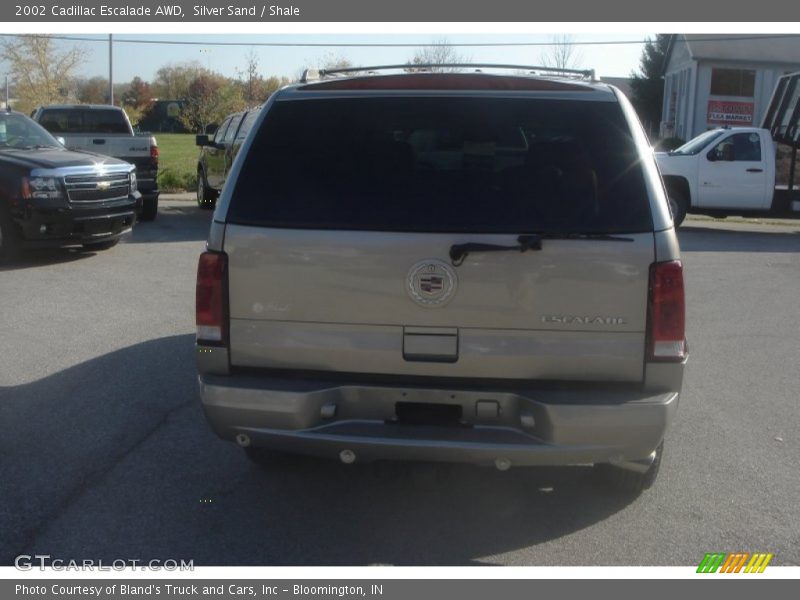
x=252, y=79
x=92, y=91
x=647, y=85
x=562, y=53
x=438, y=52
x=136, y=99
x=172, y=80
x=209, y=98
x=43, y=72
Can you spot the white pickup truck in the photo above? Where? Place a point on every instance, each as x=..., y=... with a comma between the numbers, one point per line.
x=105, y=129
x=729, y=171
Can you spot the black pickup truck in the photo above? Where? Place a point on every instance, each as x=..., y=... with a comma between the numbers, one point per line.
x=51, y=196
x=107, y=130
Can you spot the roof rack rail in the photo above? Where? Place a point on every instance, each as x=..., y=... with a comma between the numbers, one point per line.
x=318, y=74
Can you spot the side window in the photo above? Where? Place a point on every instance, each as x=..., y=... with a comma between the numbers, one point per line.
x=220, y=135
x=740, y=147
x=247, y=124
x=232, y=129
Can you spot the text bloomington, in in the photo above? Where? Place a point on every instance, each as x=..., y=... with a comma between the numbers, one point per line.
x=162, y=10
x=232, y=589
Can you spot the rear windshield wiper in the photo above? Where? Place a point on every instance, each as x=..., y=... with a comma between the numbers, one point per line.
x=458, y=252
x=525, y=242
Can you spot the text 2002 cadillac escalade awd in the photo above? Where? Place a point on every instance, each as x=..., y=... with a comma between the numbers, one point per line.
x=470, y=267
x=50, y=196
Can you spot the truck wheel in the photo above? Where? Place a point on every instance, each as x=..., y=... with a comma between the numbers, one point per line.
x=9, y=238
x=628, y=481
x=679, y=208
x=98, y=246
x=205, y=195
x=149, y=208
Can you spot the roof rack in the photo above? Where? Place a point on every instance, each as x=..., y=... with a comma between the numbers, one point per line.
x=319, y=74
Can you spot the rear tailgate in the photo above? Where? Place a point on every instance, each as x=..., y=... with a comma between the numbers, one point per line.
x=339, y=301
x=345, y=209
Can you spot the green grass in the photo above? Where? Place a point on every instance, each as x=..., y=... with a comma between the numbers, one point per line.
x=177, y=163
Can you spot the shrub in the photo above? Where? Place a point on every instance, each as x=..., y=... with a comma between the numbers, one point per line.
x=170, y=180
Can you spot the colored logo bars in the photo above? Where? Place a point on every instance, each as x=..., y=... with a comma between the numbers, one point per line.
x=734, y=563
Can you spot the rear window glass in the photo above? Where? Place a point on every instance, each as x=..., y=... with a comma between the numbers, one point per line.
x=448, y=164
x=84, y=121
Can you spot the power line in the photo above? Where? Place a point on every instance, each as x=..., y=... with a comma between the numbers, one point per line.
x=393, y=44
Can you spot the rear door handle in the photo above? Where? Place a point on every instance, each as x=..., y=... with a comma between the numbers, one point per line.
x=755, y=170
x=98, y=141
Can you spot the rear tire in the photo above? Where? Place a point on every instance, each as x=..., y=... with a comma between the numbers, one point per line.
x=679, y=207
x=149, y=208
x=9, y=238
x=206, y=198
x=627, y=481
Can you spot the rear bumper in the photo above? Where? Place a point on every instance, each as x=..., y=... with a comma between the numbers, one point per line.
x=526, y=427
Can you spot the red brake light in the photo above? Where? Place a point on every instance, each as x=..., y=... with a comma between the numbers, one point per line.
x=154, y=153
x=666, y=326
x=211, y=297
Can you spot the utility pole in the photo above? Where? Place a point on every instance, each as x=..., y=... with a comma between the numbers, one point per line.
x=111, y=68
x=7, y=106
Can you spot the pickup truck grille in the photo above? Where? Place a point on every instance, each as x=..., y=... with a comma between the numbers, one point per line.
x=97, y=188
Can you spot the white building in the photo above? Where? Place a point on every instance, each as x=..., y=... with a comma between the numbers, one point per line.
x=726, y=79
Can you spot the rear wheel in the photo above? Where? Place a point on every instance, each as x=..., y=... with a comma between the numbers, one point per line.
x=627, y=480
x=149, y=208
x=9, y=238
x=205, y=195
x=679, y=207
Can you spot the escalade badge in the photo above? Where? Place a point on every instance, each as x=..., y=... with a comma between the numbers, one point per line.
x=431, y=283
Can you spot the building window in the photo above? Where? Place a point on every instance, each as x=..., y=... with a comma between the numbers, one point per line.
x=733, y=82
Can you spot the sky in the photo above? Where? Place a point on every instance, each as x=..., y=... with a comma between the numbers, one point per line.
x=132, y=59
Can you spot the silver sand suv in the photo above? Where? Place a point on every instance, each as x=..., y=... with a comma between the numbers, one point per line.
x=469, y=266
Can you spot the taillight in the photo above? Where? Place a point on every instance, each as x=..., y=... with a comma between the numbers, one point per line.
x=153, y=153
x=666, y=319
x=212, y=298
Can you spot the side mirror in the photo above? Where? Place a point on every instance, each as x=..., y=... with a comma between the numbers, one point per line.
x=712, y=156
x=201, y=140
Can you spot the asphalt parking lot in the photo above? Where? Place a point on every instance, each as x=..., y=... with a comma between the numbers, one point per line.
x=104, y=452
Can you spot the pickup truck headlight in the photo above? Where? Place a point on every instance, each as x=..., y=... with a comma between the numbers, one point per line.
x=42, y=188
x=133, y=182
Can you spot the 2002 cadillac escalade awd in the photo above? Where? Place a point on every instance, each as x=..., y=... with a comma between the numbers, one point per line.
x=473, y=267
x=51, y=196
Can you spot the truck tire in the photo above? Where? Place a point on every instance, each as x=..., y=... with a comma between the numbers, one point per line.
x=627, y=481
x=679, y=207
x=206, y=197
x=149, y=208
x=9, y=238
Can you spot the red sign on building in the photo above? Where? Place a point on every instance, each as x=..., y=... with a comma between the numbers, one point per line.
x=723, y=112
